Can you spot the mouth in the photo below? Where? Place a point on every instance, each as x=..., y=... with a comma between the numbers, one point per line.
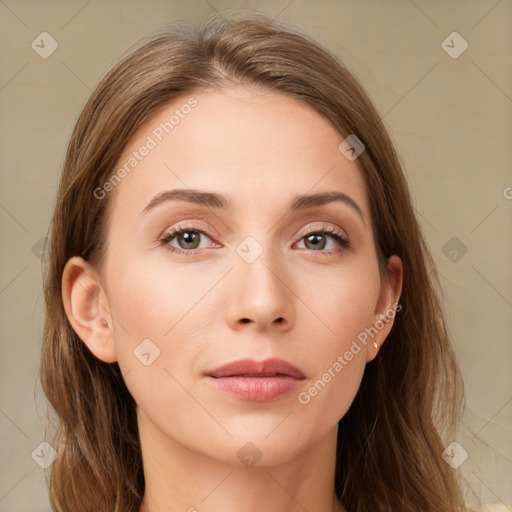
x=256, y=381
x=257, y=369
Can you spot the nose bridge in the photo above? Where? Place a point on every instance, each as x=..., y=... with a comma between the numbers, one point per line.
x=260, y=290
x=259, y=263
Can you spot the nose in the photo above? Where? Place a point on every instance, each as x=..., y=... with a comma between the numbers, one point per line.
x=260, y=294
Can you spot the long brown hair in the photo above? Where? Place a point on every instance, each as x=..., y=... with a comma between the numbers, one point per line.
x=391, y=439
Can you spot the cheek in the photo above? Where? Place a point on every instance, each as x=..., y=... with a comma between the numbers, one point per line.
x=343, y=302
x=160, y=314
x=154, y=344
x=153, y=301
x=331, y=392
x=344, y=308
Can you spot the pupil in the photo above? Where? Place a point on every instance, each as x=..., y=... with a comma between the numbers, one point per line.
x=312, y=237
x=188, y=238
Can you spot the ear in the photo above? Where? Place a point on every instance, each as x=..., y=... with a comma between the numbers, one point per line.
x=386, y=307
x=87, y=310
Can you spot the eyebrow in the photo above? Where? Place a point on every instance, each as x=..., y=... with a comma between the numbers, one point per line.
x=219, y=201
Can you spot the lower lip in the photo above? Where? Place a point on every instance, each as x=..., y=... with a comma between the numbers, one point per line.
x=256, y=389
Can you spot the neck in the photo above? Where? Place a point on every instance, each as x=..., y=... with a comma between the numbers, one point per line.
x=180, y=479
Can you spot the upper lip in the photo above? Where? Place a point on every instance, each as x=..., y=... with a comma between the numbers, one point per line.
x=251, y=368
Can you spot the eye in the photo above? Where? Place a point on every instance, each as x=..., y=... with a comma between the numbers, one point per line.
x=188, y=239
x=316, y=240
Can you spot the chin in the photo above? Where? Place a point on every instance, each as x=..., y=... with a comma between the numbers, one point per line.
x=263, y=447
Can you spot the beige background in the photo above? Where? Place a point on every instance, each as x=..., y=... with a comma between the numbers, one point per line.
x=449, y=117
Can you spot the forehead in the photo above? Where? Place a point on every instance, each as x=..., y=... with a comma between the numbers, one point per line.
x=255, y=146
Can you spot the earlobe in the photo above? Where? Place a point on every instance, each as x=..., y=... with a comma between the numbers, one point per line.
x=387, y=306
x=86, y=308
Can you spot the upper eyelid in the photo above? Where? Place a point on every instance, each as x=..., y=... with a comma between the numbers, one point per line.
x=321, y=229
x=185, y=227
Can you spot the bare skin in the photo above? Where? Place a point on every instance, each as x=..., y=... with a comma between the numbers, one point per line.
x=301, y=300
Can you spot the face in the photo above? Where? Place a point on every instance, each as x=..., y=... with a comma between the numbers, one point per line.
x=253, y=274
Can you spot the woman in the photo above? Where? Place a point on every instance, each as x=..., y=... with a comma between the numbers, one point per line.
x=242, y=312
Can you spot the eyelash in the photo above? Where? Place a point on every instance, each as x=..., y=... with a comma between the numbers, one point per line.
x=324, y=230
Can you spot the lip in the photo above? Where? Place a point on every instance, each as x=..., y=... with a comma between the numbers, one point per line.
x=256, y=381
